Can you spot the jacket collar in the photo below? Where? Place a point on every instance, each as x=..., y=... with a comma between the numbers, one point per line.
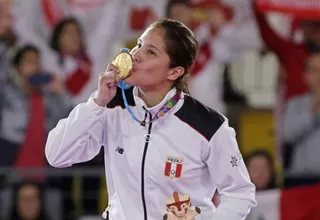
x=153, y=110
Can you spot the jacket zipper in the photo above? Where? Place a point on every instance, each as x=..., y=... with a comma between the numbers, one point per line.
x=146, y=144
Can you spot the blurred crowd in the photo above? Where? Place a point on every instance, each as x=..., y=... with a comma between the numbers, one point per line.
x=259, y=68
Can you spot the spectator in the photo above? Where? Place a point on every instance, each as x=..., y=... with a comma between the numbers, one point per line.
x=36, y=19
x=33, y=102
x=28, y=202
x=302, y=126
x=221, y=40
x=292, y=56
x=8, y=42
x=8, y=38
x=67, y=41
x=260, y=166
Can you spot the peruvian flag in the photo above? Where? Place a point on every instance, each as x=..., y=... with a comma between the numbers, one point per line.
x=299, y=203
x=173, y=167
x=302, y=9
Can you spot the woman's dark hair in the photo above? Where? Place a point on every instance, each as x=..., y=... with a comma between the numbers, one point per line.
x=14, y=214
x=181, y=46
x=21, y=52
x=172, y=3
x=265, y=154
x=58, y=30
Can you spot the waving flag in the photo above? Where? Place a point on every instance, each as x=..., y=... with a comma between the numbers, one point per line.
x=303, y=9
x=300, y=203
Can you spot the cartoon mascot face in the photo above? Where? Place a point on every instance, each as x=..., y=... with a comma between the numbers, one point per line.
x=178, y=205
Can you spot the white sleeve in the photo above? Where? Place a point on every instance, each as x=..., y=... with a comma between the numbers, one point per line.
x=26, y=12
x=233, y=40
x=108, y=30
x=77, y=138
x=223, y=51
x=242, y=35
x=229, y=174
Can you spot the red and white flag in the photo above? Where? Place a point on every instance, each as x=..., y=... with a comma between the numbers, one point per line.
x=301, y=203
x=173, y=167
x=303, y=9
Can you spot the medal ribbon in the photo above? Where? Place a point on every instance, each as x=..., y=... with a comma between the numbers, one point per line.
x=163, y=110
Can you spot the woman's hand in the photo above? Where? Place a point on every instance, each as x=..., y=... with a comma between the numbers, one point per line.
x=107, y=87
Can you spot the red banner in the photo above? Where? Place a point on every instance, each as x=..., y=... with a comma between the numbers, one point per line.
x=302, y=9
x=298, y=203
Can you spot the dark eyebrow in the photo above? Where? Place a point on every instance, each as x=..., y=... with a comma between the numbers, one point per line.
x=149, y=45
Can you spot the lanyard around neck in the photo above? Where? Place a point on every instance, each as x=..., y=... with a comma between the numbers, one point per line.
x=163, y=110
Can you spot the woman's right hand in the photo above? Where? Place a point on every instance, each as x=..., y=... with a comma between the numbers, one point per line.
x=107, y=87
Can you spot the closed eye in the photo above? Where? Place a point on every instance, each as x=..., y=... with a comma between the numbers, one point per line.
x=151, y=52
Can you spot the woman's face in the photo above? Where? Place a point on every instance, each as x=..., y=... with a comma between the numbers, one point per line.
x=182, y=13
x=70, y=40
x=151, y=62
x=29, y=203
x=312, y=75
x=29, y=64
x=260, y=172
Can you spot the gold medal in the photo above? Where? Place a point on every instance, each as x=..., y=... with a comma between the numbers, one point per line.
x=124, y=62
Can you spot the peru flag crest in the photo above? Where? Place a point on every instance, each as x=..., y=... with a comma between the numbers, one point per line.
x=173, y=167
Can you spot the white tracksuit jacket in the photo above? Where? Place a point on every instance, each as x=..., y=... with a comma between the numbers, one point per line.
x=169, y=169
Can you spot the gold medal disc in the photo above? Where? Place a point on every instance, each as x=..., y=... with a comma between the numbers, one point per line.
x=124, y=62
